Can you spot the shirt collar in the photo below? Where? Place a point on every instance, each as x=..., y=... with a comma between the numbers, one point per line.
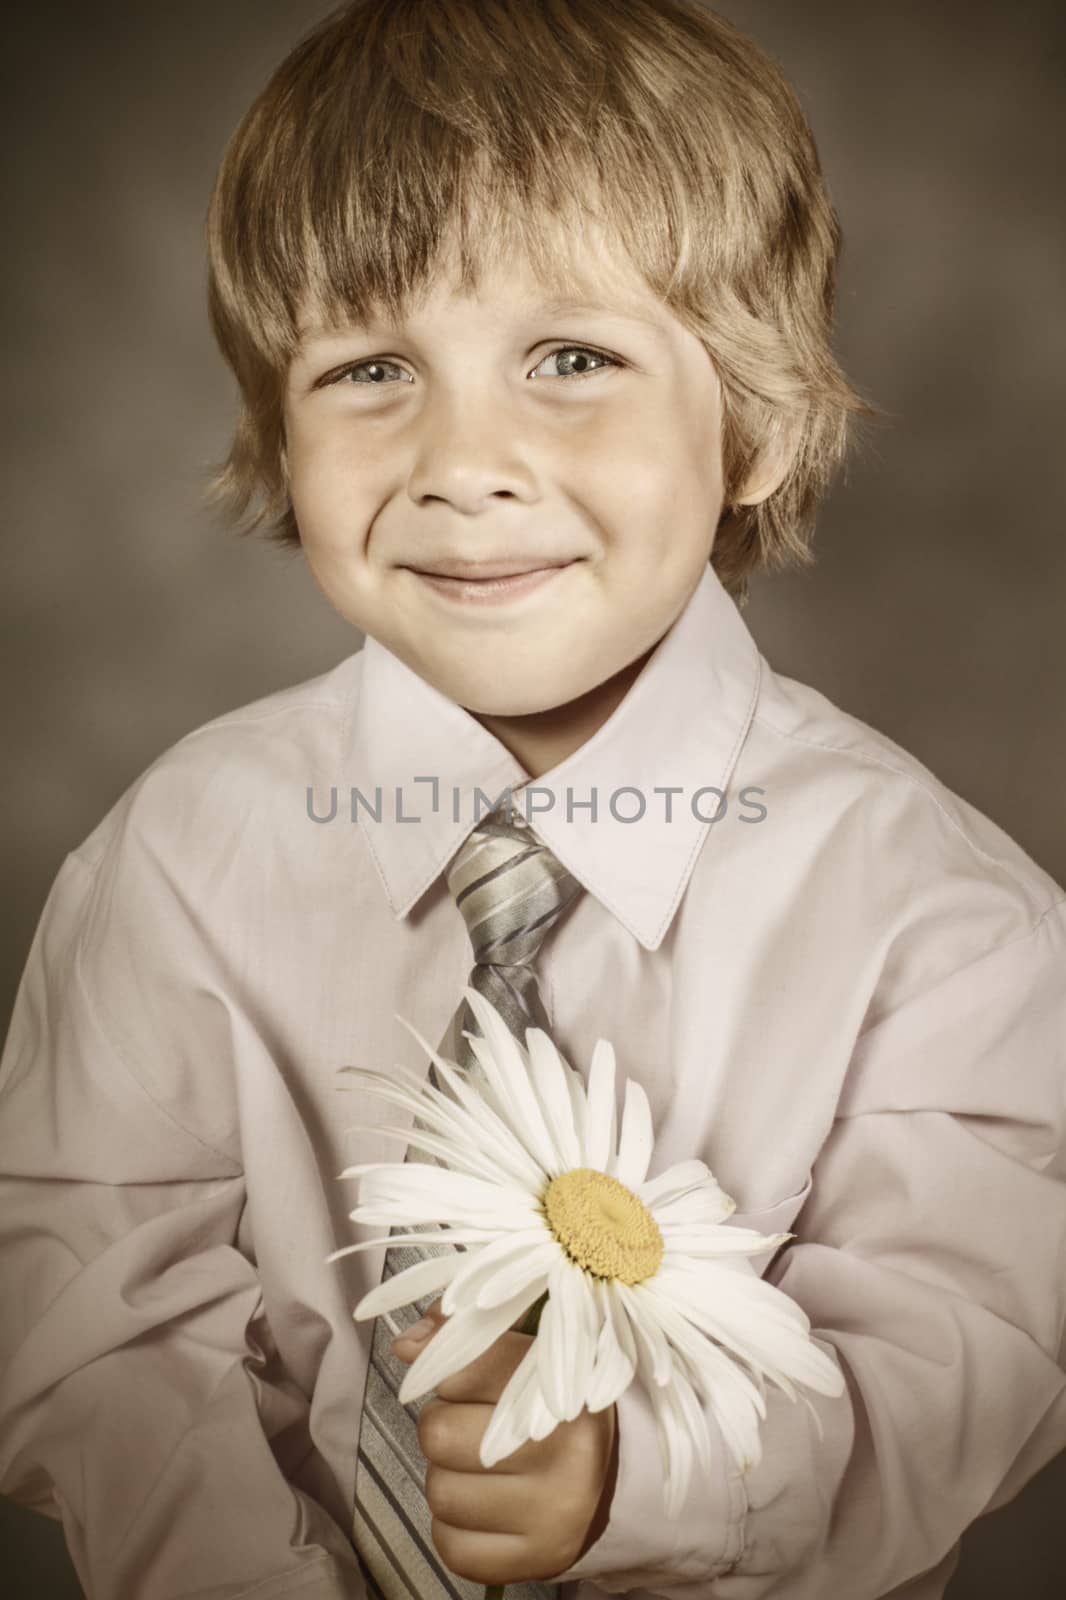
x=681, y=725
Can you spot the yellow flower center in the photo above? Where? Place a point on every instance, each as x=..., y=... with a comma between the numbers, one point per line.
x=603, y=1226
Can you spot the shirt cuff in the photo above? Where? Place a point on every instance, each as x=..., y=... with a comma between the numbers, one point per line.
x=641, y=1545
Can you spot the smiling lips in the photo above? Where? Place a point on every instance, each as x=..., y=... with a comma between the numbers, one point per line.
x=488, y=581
x=473, y=571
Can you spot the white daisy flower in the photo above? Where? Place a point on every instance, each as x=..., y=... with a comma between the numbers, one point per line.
x=643, y=1278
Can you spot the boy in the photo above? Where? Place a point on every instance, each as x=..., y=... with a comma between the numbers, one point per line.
x=545, y=287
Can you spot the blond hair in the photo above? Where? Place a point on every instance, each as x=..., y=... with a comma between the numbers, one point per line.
x=399, y=129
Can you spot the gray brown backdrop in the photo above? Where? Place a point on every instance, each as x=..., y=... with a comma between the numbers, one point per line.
x=936, y=611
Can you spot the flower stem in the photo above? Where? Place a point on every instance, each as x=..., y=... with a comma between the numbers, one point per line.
x=495, y=1592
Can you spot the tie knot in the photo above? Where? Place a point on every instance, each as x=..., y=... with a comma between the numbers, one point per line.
x=510, y=888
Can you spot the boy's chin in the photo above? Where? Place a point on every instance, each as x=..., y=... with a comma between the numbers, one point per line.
x=508, y=696
x=510, y=707
x=501, y=690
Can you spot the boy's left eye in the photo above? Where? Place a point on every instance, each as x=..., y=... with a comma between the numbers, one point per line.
x=582, y=362
x=581, y=368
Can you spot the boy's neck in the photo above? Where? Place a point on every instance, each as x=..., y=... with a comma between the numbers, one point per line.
x=542, y=740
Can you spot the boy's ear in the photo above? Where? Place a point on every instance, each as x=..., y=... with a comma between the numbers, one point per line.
x=771, y=466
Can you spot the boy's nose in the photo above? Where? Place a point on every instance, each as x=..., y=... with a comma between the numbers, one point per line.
x=469, y=450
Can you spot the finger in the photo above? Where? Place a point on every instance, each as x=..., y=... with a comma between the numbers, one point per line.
x=486, y=1377
x=450, y=1436
x=407, y=1344
x=491, y=1558
x=480, y=1502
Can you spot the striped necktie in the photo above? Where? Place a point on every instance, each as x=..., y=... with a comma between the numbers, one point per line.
x=511, y=890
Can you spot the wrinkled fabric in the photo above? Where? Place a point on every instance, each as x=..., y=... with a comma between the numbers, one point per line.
x=847, y=995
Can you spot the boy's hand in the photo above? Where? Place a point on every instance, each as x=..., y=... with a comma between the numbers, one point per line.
x=536, y=1512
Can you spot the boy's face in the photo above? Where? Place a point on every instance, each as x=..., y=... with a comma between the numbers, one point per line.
x=468, y=436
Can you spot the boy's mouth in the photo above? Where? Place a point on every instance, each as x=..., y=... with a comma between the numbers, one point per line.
x=475, y=571
x=487, y=582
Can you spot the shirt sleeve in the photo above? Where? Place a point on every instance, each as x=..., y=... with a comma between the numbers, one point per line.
x=139, y=1401
x=930, y=1258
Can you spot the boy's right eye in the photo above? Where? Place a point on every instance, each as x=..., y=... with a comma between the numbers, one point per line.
x=375, y=371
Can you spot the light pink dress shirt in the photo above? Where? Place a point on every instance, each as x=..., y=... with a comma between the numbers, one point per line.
x=847, y=995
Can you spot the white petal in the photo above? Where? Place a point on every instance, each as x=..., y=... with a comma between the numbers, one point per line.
x=623, y=1330
x=416, y=1191
x=697, y=1426
x=694, y=1421
x=735, y=1400
x=511, y=1420
x=682, y=1441
x=715, y=1240
x=681, y=1180
x=538, y=1142
x=363, y=1167
x=458, y=1342
x=637, y=1138
x=448, y=1236
x=476, y=1133
x=525, y=1113
x=702, y=1207
x=600, y=1125
x=541, y=1420
x=614, y=1366
x=586, y=1308
x=676, y=1180
x=410, y=1209
x=530, y=1272
x=551, y=1347
x=410, y=1284
x=567, y=1339
x=758, y=1322
x=401, y=1084
x=734, y=1289
x=473, y=1090
x=652, y=1347
x=482, y=1266
x=469, y=1155
x=675, y=1447
x=739, y=1323
x=549, y=1074
x=736, y=1413
x=418, y=1096
x=481, y=1106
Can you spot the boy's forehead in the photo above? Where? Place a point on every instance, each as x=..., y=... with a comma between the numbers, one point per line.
x=321, y=322
x=577, y=270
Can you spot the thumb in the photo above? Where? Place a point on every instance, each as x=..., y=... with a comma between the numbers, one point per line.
x=412, y=1340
